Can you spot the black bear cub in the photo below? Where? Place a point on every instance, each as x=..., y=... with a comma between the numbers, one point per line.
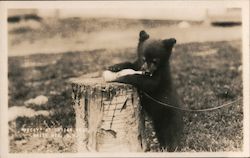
x=155, y=87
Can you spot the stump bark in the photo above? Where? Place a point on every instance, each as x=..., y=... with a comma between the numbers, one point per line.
x=108, y=116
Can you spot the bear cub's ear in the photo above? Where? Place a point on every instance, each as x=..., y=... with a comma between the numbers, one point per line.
x=143, y=36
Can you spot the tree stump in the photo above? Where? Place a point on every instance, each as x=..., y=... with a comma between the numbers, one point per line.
x=108, y=116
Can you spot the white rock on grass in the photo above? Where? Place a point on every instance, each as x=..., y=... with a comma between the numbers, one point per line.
x=39, y=100
x=20, y=111
x=183, y=25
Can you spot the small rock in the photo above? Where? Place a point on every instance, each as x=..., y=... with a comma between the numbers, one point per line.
x=183, y=25
x=15, y=112
x=39, y=100
x=54, y=93
x=155, y=140
x=240, y=68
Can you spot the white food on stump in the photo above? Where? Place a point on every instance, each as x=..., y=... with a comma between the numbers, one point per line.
x=111, y=76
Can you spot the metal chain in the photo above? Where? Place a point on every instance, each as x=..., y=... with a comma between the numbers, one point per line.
x=191, y=110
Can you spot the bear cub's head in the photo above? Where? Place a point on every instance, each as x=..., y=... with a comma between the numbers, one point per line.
x=154, y=53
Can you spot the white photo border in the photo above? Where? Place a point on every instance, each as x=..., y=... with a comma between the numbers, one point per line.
x=5, y=5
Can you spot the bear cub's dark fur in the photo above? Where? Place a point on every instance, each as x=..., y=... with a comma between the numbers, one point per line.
x=156, y=81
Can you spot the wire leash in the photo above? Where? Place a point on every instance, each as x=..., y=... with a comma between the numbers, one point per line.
x=190, y=110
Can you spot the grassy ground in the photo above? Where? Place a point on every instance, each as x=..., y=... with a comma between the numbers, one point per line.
x=206, y=75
